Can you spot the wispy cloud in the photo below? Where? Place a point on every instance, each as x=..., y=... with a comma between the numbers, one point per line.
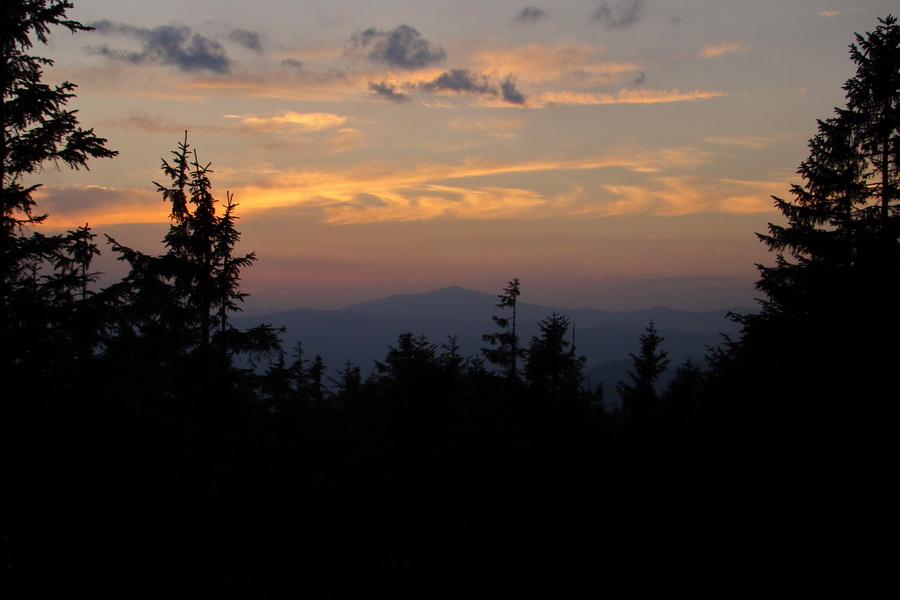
x=675, y=196
x=174, y=45
x=321, y=134
x=344, y=139
x=380, y=191
x=144, y=121
x=286, y=85
x=429, y=190
x=757, y=142
x=291, y=120
x=722, y=49
x=503, y=128
x=276, y=81
x=435, y=202
x=464, y=124
x=288, y=131
x=627, y=97
x=570, y=65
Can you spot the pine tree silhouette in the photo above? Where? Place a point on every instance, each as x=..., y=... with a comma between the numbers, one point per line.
x=36, y=129
x=640, y=398
x=831, y=294
x=504, y=351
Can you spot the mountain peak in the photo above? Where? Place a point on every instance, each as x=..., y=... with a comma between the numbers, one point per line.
x=452, y=302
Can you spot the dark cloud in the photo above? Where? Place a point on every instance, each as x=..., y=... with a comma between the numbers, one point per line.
x=465, y=82
x=248, y=39
x=639, y=78
x=621, y=14
x=402, y=47
x=461, y=80
x=293, y=62
x=172, y=45
x=388, y=91
x=530, y=14
x=510, y=93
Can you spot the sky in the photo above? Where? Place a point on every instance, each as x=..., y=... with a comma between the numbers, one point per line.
x=615, y=154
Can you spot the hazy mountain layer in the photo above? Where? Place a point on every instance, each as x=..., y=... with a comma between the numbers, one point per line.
x=362, y=333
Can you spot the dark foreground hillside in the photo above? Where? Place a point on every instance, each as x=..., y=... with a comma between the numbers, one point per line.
x=488, y=495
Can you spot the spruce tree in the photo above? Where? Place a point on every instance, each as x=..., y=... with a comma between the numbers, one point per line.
x=552, y=368
x=504, y=350
x=842, y=224
x=830, y=296
x=410, y=368
x=639, y=398
x=36, y=128
x=177, y=304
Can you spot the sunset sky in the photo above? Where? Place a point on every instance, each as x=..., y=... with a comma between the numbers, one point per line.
x=612, y=154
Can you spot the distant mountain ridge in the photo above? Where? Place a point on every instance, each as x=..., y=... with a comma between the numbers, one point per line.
x=362, y=333
x=455, y=302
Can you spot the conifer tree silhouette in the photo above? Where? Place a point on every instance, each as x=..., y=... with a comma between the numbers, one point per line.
x=504, y=350
x=552, y=368
x=844, y=219
x=179, y=302
x=639, y=398
x=831, y=294
x=35, y=129
x=411, y=367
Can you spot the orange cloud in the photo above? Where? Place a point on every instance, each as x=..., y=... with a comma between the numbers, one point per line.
x=499, y=128
x=374, y=192
x=273, y=80
x=344, y=139
x=282, y=85
x=73, y=206
x=750, y=141
x=722, y=49
x=381, y=191
x=436, y=202
x=579, y=64
x=690, y=194
x=626, y=97
x=291, y=120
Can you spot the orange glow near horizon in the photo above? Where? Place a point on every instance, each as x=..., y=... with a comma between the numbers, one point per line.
x=406, y=146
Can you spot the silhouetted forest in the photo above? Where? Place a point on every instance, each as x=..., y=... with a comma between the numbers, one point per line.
x=150, y=448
